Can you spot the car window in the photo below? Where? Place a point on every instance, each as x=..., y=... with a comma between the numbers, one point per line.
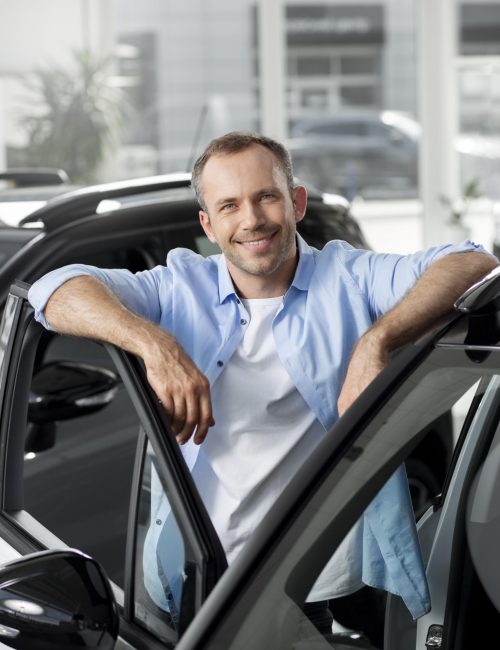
x=78, y=466
x=91, y=478
x=442, y=390
x=308, y=531
x=162, y=574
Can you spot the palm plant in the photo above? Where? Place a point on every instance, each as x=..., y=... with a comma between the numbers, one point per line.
x=78, y=120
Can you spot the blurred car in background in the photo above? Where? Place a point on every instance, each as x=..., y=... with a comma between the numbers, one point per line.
x=375, y=155
x=24, y=190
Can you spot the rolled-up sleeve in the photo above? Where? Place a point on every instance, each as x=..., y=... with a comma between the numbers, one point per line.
x=145, y=293
x=386, y=278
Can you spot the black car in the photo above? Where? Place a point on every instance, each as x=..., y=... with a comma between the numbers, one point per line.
x=133, y=224
x=78, y=465
x=62, y=599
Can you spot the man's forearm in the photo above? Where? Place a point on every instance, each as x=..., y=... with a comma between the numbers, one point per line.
x=83, y=306
x=431, y=299
x=424, y=307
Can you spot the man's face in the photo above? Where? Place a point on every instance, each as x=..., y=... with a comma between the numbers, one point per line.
x=252, y=217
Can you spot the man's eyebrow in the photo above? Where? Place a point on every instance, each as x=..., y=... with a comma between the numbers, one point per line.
x=230, y=199
x=270, y=189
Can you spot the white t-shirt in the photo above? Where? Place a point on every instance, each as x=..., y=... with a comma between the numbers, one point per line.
x=263, y=432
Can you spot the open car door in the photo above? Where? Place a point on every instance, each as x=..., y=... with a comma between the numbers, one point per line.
x=88, y=461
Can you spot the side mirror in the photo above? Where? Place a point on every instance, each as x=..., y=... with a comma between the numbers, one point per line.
x=62, y=390
x=56, y=599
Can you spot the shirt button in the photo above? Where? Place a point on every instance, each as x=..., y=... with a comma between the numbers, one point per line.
x=238, y=301
x=158, y=521
x=220, y=363
x=243, y=321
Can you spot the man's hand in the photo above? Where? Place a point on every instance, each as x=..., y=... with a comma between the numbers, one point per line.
x=368, y=359
x=181, y=388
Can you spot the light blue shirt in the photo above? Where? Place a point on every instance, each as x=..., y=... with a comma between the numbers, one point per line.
x=336, y=294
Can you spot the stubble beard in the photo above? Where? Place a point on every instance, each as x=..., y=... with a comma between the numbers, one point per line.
x=267, y=263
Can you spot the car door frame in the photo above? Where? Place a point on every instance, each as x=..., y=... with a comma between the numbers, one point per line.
x=234, y=609
x=17, y=527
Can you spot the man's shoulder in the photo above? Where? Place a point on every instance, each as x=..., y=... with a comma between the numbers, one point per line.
x=336, y=251
x=185, y=258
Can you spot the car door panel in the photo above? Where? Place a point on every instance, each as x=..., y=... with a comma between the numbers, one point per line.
x=86, y=446
x=329, y=493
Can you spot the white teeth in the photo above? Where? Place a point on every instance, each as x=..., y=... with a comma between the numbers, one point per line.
x=255, y=243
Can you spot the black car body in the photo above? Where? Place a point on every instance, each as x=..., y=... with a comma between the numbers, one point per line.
x=133, y=224
x=78, y=465
x=62, y=599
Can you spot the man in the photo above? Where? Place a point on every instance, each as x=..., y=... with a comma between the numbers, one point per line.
x=256, y=352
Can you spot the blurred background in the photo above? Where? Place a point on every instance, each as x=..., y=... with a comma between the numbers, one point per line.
x=393, y=104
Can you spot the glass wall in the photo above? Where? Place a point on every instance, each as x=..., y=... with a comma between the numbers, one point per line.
x=479, y=96
x=118, y=89
x=352, y=96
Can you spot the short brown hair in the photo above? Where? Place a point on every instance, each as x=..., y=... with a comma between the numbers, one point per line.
x=233, y=143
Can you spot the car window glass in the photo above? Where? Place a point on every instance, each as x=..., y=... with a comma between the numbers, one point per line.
x=84, y=438
x=78, y=465
x=122, y=258
x=482, y=524
x=205, y=247
x=460, y=409
x=360, y=615
x=362, y=612
x=162, y=577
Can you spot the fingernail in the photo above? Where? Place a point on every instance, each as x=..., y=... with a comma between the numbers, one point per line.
x=180, y=439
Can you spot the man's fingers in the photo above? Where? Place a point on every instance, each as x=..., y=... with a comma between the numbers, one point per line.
x=190, y=409
x=184, y=393
x=178, y=415
x=190, y=419
x=206, y=419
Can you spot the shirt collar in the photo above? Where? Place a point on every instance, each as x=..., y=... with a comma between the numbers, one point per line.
x=301, y=279
x=305, y=267
x=226, y=286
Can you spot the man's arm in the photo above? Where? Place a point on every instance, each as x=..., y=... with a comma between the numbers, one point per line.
x=83, y=306
x=423, y=307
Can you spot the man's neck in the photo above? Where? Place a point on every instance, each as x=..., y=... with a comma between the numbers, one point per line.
x=262, y=286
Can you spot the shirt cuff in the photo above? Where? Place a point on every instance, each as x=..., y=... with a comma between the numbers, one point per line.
x=43, y=288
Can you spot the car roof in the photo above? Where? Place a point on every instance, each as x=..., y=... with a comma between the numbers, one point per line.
x=137, y=208
x=81, y=203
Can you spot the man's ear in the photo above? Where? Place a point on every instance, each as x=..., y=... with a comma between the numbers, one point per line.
x=299, y=202
x=207, y=226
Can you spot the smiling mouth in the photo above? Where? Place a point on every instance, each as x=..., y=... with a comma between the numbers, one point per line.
x=258, y=244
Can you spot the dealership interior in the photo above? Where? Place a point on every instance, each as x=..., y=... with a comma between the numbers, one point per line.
x=113, y=530
x=390, y=103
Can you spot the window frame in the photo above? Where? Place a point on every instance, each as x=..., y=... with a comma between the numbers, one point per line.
x=285, y=546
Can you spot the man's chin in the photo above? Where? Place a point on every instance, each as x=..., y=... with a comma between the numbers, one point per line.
x=260, y=268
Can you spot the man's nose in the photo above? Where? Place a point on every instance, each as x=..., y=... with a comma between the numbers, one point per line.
x=252, y=216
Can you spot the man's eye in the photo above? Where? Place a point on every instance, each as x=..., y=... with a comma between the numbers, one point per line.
x=228, y=206
x=267, y=197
